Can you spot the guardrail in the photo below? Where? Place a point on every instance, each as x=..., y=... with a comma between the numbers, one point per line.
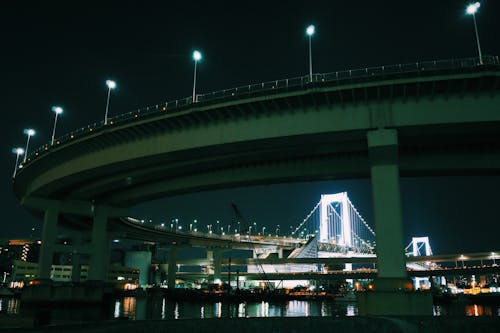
x=270, y=87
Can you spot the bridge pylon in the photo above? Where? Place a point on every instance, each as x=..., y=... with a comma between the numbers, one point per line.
x=392, y=294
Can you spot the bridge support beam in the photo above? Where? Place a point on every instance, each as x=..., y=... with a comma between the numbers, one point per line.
x=99, y=255
x=172, y=266
x=49, y=234
x=215, y=256
x=393, y=289
x=76, y=268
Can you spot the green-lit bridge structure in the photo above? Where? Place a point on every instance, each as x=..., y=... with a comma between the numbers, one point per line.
x=433, y=118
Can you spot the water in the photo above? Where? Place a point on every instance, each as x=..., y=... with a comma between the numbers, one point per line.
x=158, y=307
x=161, y=308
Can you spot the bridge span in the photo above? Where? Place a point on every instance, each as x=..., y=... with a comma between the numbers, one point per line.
x=366, y=273
x=429, y=118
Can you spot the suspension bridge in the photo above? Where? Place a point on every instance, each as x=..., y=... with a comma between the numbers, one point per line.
x=340, y=227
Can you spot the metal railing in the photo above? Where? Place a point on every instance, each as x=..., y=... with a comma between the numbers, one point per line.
x=267, y=88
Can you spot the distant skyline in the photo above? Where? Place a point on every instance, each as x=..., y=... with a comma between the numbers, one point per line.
x=61, y=53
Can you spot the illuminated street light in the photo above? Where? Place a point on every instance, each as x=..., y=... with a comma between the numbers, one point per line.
x=18, y=151
x=196, y=58
x=310, y=31
x=111, y=85
x=29, y=132
x=471, y=10
x=57, y=110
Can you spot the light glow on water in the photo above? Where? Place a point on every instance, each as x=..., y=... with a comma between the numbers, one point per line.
x=143, y=308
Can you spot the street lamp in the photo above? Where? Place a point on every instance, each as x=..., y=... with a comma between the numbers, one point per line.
x=196, y=58
x=310, y=31
x=57, y=110
x=471, y=10
x=111, y=85
x=29, y=132
x=18, y=151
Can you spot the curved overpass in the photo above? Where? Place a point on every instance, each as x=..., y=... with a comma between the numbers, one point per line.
x=432, y=118
x=446, y=115
x=134, y=229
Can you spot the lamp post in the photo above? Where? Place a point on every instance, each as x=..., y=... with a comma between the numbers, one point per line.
x=471, y=10
x=111, y=85
x=29, y=132
x=18, y=151
x=57, y=110
x=196, y=58
x=310, y=31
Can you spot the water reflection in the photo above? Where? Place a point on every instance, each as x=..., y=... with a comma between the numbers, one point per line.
x=458, y=309
x=352, y=310
x=478, y=310
x=162, y=308
x=10, y=306
x=159, y=307
x=125, y=307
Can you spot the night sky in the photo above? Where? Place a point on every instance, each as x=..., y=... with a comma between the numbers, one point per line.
x=61, y=53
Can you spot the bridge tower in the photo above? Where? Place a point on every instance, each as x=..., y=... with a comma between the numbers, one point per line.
x=415, y=241
x=325, y=234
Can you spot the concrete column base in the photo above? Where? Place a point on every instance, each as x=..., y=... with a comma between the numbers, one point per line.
x=394, y=303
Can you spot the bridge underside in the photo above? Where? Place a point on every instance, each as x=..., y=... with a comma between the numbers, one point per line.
x=423, y=123
x=447, y=124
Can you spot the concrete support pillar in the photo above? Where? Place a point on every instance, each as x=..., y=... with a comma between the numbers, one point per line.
x=383, y=147
x=141, y=260
x=49, y=235
x=215, y=255
x=76, y=268
x=99, y=256
x=392, y=294
x=172, y=266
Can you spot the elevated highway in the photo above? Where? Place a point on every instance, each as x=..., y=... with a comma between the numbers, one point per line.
x=133, y=229
x=434, y=118
x=356, y=259
x=342, y=274
x=445, y=113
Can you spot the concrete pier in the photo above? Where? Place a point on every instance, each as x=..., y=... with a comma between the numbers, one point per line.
x=393, y=293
